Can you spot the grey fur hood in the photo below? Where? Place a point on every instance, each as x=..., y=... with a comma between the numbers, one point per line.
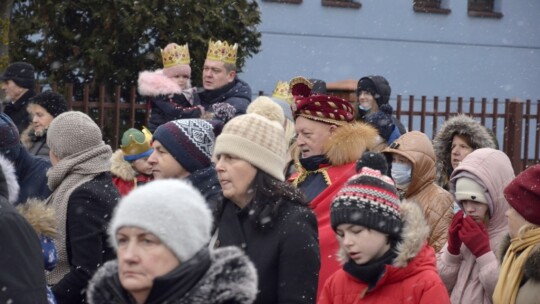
x=9, y=187
x=442, y=143
x=531, y=269
x=231, y=278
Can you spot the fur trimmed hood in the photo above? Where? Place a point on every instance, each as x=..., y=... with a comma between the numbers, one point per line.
x=232, y=278
x=9, y=187
x=414, y=235
x=349, y=141
x=121, y=167
x=442, y=142
x=155, y=83
x=40, y=216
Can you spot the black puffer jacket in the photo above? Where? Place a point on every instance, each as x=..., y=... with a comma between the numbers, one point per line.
x=21, y=262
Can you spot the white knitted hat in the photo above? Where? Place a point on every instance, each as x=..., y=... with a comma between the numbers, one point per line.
x=468, y=189
x=172, y=210
x=257, y=140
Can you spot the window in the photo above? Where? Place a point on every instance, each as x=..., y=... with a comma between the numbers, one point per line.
x=430, y=6
x=483, y=8
x=342, y=3
x=285, y=1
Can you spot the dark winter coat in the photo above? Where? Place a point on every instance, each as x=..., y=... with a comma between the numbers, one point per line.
x=411, y=278
x=89, y=210
x=17, y=111
x=286, y=255
x=229, y=277
x=168, y=101
x=480, y=137
x=36, y=145
x=529, y=290
x=236, y=93
x=32, y=176
x=206, y=181
x=22, y=278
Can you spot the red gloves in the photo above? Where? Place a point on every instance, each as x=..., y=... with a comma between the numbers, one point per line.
x=474, y=235
x=454, y=242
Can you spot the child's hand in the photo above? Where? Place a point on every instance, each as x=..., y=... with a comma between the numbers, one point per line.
x=454, y=241
x=474, y=235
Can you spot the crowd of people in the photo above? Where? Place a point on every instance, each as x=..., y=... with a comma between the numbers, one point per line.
x=297, y=197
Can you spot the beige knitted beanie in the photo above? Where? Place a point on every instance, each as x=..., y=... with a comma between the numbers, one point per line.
x=73, y=132
x=257, y=140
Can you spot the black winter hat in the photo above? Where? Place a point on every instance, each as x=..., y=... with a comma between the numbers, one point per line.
x=9, y=138
x=372, y=160
x=369, y=199
x=53, y=102
x=377, y=85
x=319, y=86
x=21, y=73
x=382, y=121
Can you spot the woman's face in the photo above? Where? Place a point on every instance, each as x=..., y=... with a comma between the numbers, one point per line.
x=235, y=176
x=142, y=257
x=515, y=222
x=367, y=102
x=362, y=244
x=41, y=119
x=460, y=149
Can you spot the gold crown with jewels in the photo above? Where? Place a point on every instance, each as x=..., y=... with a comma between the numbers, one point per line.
x=222, y=51
x=283, y=92
x=134, y=144
x=174, y=54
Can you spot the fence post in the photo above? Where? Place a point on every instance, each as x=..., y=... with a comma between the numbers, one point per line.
x=513, y=133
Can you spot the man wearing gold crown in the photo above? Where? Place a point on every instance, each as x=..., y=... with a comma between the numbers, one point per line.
x=222, y=88
x=169, y=90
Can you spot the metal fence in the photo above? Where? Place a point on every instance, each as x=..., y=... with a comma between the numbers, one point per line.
x=515, y=123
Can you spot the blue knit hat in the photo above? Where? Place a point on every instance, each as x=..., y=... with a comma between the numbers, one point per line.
x=190, y=142
x=9, y=138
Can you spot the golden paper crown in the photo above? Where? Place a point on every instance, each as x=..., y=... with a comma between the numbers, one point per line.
x=136, y=148
x=222, y=51
x=175, y=54
x=283, y=92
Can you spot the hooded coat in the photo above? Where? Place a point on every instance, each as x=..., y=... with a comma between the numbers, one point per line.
x=473, y=279
x=231, y=278
x=342, y=150
x=168, y=101
x=32, y=176
x=22, y=277
x=461, y=124
x=125, y=178
x=411, y=278
x=436, y=202
x=236, y=93
x=529, y=291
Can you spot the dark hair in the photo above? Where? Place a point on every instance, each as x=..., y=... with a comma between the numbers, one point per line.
x=270, y=195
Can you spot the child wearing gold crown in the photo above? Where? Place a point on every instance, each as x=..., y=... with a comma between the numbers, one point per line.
x=169, y=90
x=129, y=164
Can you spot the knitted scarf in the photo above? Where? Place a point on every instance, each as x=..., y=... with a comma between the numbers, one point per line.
x=511, y=272
x=63, y=178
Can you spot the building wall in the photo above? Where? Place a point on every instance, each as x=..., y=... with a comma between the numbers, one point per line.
x=420, y=54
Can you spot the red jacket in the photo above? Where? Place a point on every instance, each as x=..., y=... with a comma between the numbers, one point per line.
x=412, y=278
x=125, y=186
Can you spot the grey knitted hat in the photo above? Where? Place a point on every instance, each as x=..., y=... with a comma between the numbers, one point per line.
x=172, y=210
x=73, y=132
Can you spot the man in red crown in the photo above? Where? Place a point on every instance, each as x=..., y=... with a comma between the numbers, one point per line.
x=329, y=143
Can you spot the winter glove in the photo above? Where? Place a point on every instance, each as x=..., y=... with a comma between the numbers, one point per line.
x=474, y=235
x=454, y=242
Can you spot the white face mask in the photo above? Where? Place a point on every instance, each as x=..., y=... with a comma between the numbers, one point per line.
x=401, y=173
x=361, y=107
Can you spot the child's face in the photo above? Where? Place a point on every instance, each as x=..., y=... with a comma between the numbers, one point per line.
x=479, y=212
x=142, y=166
x=181, y=80
x=362, y=244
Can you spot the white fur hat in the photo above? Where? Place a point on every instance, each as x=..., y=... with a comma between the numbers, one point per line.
x=172, y=210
